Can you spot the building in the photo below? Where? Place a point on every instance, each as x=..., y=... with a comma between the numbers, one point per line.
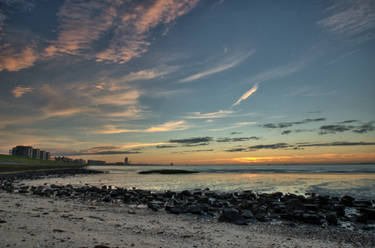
x=29, y=152
x=48, y=155
x=36, y=153
x=126, y=161
x=24, y=151
x=43, y=155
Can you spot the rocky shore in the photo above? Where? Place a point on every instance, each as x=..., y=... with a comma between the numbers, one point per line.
x=240, y=208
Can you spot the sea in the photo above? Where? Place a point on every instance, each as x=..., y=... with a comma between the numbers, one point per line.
x=357, y=180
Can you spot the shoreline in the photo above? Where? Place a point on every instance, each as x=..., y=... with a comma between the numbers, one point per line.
x=322, y=215
x=33, y=221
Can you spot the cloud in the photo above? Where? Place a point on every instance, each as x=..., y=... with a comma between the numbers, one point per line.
x=241, y=149
x=213, y=115
x=278, y=72
x=339, y=128
x=246, y=95
x=166, y=146
x=12, y=60
x=289, y=124
x=168, y=126
x=196, y=140
x=286, y=132
x=342, y=143
x=353, y=19
x=297, y=146
x=165, y=127
x=192, y=151
x=130, y=39
x=270, y=146
x=234, y=133
x=112, y=31
x=223, y=67
x=19, y=91
x=237, y=139
x=235, y=125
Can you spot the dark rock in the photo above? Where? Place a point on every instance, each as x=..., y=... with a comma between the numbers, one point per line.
x=347, y=201
x=312, y=219
x=311, y=207
x=232, y=215
x=153, y=206
x=248, y=214
x=174, y=210
x=107, y=198
x=294, y=204
x=2, y=221
x=194, y=209
x=331, y=218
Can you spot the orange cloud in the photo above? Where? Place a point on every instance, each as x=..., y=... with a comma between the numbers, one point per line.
x=165, y=127
x=19, y=91
x=15, y=61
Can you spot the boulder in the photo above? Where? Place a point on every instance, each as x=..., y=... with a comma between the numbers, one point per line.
x=232, y=215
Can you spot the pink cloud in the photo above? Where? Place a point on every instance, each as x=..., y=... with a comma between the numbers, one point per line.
x=19, y=91
x=15, y=61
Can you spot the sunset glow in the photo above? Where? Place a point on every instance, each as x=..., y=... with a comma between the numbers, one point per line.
x=189, y=81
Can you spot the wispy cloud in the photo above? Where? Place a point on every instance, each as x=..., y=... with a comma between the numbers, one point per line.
x=235, y=125
x=350, y=19
x=165, y=127
x=130, y=39
x=19, y=91
x=219, y=68
x=246, y=95
x=212, y=115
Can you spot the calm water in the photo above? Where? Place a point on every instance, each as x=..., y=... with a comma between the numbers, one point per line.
x=356, y=180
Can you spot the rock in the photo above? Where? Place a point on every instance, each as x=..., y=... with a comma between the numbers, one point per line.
x=107, y=198
x=367, y=214
x=2, y=221
x=248, y=214
x=174, y=210
x=232, y=215
x=294, y=204
x=58, y=231
x=194, y=209
x=101, y=246
x=331, y=218
x=186, y=193
x=311, y=219
x=347, y=201
x=311, y=207
x=153, y=206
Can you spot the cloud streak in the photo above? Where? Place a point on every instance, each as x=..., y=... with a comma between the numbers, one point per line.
x=216, y=69
x=246, y=95
x=350, y=19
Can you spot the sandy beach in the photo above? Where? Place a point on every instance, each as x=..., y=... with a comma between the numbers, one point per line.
x=32, y=221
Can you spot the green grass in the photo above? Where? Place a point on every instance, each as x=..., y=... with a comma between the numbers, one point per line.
x=167, y=171
x=15, y=163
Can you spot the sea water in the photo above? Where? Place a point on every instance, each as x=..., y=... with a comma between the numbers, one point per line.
x=356, y=180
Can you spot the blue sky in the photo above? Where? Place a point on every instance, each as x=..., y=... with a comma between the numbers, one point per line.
x=190, y=81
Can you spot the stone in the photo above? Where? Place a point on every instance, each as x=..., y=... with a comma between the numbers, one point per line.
x=311, y=219
x=232, y=215
x=248, y=214
x=331, y=218
x=347, y=201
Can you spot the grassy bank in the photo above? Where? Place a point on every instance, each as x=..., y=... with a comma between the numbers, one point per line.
x=14, y=163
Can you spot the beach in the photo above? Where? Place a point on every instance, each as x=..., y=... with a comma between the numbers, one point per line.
x=32, y=221
x=50, y=215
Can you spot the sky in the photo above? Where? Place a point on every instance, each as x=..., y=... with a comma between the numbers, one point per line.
x=189, y=81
